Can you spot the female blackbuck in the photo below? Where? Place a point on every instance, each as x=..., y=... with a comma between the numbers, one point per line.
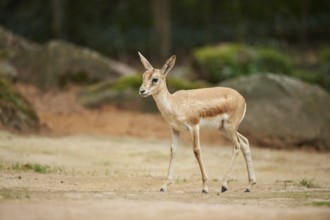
x=218, y=107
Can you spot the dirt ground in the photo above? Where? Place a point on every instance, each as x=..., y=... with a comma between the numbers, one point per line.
x=110, y=163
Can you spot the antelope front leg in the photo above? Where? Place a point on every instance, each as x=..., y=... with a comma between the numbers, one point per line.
x=234, y=138
x=174, y=144
x=198, y=155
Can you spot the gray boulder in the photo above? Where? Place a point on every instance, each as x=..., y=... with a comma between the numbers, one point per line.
x=284, y=112
x=58, y=63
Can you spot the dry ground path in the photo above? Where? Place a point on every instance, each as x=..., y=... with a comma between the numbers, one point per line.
x=118, y=177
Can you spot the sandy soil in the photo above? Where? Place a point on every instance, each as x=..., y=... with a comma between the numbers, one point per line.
x=110, y=163
x=98, y=177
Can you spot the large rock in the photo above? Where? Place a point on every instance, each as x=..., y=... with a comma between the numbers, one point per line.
x=7, y=70
x=283, y=112
x=58, y=63
x=15, y=44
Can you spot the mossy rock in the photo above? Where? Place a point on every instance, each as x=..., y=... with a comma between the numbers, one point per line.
x=15, y=112
x=57, y=63
x=226, y=61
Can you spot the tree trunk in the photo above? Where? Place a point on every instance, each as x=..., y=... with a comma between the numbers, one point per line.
x=161, y=45
x=58, y=8
x=304, y=23
x=240, y=25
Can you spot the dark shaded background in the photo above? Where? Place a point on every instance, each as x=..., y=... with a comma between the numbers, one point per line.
x=119, y=28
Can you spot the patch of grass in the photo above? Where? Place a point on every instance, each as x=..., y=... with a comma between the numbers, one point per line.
x=322, y=203
x=57, y=169
x=308, y=183
x=36, y=167
x=72, y=172
x=107, y=172
x=106, y=163
x=179, y=180
x=92, y=173
x=8, y=194
x=39, y=168
x=232, y=180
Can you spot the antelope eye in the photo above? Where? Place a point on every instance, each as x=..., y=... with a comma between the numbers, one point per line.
x=154, y=80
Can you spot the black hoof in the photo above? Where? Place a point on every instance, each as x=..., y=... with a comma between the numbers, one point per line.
x=223, y=189
x=204, y=191
x=162, y=189
x=247, y=190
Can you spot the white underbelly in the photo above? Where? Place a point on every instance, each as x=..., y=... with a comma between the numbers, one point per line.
x=211, y=122
x=214, y=122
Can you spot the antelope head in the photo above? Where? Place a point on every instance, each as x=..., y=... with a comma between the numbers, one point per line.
x=154, y=80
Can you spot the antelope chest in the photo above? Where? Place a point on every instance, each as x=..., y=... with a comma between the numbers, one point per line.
x=177, y=123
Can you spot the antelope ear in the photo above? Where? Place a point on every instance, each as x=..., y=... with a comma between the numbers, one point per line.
x=168, y=65
x=145, y=62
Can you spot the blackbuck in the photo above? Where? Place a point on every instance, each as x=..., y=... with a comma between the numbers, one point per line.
x=219, y=107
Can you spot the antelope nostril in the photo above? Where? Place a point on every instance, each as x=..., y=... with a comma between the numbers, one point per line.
x=142, y=91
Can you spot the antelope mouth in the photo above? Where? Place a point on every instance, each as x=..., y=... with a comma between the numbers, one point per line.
x=144, y=94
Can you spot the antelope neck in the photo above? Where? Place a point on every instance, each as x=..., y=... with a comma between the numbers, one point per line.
x=163, y=99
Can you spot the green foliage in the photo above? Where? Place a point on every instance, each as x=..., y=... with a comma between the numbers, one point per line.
x=316, y=77
x=324, y=74
x=232, y=60
x=134, y=82
x=120, y=84
x=5, y=54
x=272, y=60
x=308, y=183
x=36, y=167
x=325, y=55
x=322, y=203
x=222, y=62
x=317, y=73
x=127, y=82
x=175, y=84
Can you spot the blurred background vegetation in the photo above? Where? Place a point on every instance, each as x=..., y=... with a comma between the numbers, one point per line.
x=281, y=36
